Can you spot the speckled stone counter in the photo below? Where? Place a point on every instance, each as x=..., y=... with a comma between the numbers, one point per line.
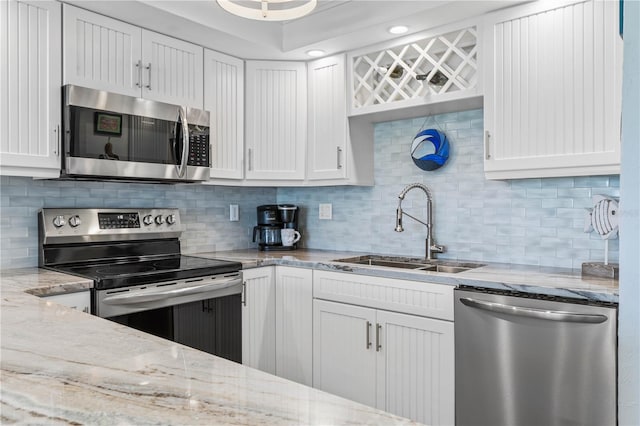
x=61, y=366
x=529, y=279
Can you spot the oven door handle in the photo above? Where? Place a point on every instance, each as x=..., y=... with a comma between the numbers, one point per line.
x=152, y=296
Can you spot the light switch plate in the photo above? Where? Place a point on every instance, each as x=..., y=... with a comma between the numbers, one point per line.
x=326, y=212
x=234, y=214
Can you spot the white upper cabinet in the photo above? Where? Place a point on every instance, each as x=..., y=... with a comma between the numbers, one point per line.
x=327, y=119
x=431, y=67
x=224, y=99
x=276, y=116
x=173, y=70
x=106, y=54
x=30, y=96
x=553, y=90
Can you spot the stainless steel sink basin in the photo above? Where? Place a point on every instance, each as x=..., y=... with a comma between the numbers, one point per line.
x=444, y=266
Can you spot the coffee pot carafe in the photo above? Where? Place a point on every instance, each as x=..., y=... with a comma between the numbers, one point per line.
x=271, y=219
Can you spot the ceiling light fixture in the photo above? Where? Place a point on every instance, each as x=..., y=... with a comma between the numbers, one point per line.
x=315, y=53
x=261, y=10
x=398, y=29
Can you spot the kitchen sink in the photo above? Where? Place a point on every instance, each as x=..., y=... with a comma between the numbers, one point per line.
x=420, y=264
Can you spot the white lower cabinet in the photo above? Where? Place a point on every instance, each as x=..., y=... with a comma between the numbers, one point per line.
x=79, y=300
x=294, y=330
x=400, y=363
x=259, y=319
x=276, y=321
x=344, y=358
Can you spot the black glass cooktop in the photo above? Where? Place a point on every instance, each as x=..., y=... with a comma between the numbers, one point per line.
x=122, y=274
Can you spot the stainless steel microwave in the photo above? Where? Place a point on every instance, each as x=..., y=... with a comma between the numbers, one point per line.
x=111, y=136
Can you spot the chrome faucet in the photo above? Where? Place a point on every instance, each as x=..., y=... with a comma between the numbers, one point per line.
x=430, y=246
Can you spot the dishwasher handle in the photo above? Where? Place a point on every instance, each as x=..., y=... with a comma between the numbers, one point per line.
x=543, y=314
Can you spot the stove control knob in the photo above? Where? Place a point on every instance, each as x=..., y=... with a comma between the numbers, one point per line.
x=59, y=221
x=159, y=220
x=74, y=221
x=147, y=220
x=171, y=219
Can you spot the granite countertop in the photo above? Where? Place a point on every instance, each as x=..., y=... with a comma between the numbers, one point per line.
x=561, y=282
x=61, y=366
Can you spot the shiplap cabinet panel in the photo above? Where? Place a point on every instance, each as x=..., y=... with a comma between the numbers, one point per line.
x=415, y=368
x=173, y=70
x=107, y=54
x=344, y=355
x=258, y=319
x=30, y=96
x=400, y=363
x=327, y=119
x=224, y=99
x=553, y=90
x=294, y=329
x=276, y=116
x=101, y=53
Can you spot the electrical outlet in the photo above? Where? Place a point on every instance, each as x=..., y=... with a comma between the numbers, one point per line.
x=234, y=214
x=325, y=211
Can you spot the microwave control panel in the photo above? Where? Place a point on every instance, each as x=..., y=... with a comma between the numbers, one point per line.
x=198, y=150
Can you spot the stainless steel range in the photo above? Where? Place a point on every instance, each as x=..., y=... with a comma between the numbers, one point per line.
x=140, y=277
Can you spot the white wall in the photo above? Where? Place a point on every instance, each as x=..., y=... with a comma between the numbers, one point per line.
x=629, y=315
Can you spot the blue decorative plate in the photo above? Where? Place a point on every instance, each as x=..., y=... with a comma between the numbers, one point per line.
x=430, y=149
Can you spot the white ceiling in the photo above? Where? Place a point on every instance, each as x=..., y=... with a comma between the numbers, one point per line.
x=334, y=26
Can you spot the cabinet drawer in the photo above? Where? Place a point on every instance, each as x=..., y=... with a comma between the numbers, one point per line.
x=411, y=297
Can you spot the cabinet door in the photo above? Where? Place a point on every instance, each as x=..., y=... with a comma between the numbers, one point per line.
x=553, y=90
x=415, y=367
x=344, y=355
x=327, y=119
x=30, y=77
x=79, y=300
x=172, y=70
x=101, y=53
x=224, y=99
x=258, y=319
x=276, y=113
x=294, y=330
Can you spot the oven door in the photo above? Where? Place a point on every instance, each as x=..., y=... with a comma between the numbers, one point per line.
x=128, y=300
x=204, y=314
x=116, y=136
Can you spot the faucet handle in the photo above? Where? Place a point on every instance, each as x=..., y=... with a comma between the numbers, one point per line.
x=435, y=248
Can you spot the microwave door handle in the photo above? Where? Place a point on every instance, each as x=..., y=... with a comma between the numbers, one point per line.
x=185, y=143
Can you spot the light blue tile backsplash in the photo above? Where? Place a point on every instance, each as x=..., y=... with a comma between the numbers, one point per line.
x=529, y=221
x=204, y=210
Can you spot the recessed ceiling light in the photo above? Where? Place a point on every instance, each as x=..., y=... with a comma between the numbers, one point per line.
x=398, y=29
x=315, y=53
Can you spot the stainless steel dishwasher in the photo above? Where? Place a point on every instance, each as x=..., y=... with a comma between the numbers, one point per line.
x=533, y=360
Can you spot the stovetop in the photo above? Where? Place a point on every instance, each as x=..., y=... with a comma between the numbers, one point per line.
x=108, y=275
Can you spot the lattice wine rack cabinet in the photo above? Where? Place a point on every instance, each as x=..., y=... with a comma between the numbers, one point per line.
x=432, y=69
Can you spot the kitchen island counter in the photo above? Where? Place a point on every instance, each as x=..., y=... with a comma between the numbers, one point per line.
x=551, y=281
x=62, y=366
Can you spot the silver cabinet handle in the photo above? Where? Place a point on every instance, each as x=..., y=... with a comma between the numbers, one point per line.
x=56, y=146
x=148, y=67
x=378, y=343
x=487, y=146
x=139, y=67
x=368, y=342
x=210, y=155
x=543, y=314
x=243, y=298
x=339, y=152
x=250, y=159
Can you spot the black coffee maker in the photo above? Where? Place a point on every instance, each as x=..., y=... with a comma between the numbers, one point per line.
x=271, y=219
